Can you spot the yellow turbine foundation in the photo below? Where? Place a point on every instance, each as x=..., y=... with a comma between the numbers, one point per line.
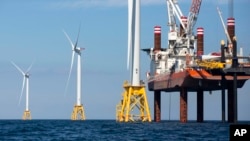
x=134, y=100
x=78, y=113
x=26, y=115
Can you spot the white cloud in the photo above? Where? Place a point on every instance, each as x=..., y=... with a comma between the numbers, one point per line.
x=117, y=3
x=99, y=3
x=208, y=1
x=217, y=1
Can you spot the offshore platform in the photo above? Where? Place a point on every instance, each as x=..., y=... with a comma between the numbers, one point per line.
x=183, y=67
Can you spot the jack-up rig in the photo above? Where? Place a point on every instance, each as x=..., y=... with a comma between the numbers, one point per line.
x=183, y=67
x=78, y=110
x=134, y=98
x=26, y=75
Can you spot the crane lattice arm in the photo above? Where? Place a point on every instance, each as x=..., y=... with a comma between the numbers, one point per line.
x=193, y=15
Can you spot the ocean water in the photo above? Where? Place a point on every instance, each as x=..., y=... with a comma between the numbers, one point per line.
x=110, y=130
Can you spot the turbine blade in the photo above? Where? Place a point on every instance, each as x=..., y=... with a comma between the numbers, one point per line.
x=17, y=68
x=130, y=12
x=30, y=66
x=22, y=90
x=71, y=43
x=71, y=66
x=77, y=36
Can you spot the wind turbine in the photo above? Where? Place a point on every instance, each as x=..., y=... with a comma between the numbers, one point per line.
x=26, y=76
x=78, y=110
x=134, y=95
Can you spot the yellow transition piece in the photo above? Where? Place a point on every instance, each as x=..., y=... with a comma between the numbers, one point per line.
x=78, y=113
x=134, y=100
x=26, y=115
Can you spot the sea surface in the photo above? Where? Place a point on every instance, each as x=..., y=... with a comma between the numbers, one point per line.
x=110, y=130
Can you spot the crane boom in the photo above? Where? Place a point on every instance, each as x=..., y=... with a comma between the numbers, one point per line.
x=174, y=10
x=184, y=38
x=193, y=15
x=223, y=24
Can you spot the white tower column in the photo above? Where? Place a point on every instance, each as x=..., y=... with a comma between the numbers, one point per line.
x=27, y=93
x=136, y=46
x=78, y=79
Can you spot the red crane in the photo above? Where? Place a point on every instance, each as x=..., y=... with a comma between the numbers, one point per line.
x=193, y=15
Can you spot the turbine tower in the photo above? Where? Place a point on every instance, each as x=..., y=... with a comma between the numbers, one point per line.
x=78, y=110
x=134, y=95
x=26, y=75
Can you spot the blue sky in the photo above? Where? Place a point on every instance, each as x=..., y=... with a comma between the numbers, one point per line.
x=32, y=30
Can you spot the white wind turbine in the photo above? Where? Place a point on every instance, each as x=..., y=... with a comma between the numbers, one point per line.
x=78, y=109
x=134, y=95
x=26, y=76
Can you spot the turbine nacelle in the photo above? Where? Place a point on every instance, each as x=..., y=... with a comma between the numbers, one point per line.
x=78, y=50
x=27, y=75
